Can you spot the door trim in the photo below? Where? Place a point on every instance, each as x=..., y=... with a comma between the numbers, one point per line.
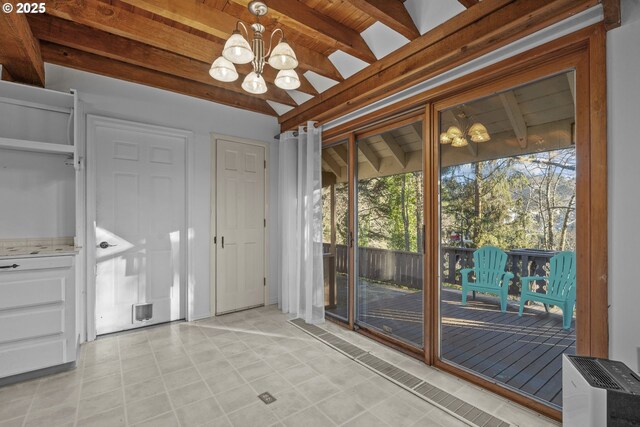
x=212, y=217
x=92, y=122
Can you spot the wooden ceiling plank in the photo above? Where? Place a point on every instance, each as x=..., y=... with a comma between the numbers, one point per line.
x=371, y=157
x=393, y=14
x=331, y=164
x=468, y=3
x=73, y=58
x=115, y=20
x=86, y=39
x=612, y=14
x=20, y=55
x=222, y=24
x=397, y=152
x=298, y=16
x=476, y=31
x=514, y=113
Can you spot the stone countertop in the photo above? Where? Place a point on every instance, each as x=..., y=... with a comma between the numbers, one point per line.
x=37, y=251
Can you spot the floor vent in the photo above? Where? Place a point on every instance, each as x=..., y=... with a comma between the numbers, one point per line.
x=267, y=397
x=389, y=370
x=344, y=346
x=423, y=389
x=308, y=328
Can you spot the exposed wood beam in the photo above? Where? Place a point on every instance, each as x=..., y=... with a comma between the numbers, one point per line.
x=371, y=157
x=297, y=15
x=416, y=127
x=86, y=39
x=466, y=36
x=341, y=152
x=20, y=54
x=5, y=75
x=84, y=61
x=115, y=20
x=397, y=152
x=612, y=14
x=571, y=79
x=393, y=14
x=331, y=164
x=221, y=24
x=511, y=106
x=468, y=3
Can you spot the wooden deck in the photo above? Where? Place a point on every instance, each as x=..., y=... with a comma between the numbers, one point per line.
x=524, y=353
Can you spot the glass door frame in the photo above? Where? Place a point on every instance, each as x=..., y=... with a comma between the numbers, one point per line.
x=582, y=51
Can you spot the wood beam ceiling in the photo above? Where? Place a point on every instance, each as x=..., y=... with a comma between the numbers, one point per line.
x=86, y=39
x=296, y=15
x=612, y=14
x=391, y=13
x=468, y=3
x=20, y=55
x=84, y=61
x=468, y=35
x=115, y=20
x=511, y=106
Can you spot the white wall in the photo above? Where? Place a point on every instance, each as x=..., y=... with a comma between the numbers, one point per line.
x=37, y=191
x=623, y=98
x=129, y=101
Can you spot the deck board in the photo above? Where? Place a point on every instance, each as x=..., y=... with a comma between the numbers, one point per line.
x=521, y=352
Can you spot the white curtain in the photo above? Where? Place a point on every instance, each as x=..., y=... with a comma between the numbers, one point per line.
x=301, y=291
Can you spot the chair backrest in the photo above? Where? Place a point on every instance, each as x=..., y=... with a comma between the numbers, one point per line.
x=489, y=264
x=562, y=274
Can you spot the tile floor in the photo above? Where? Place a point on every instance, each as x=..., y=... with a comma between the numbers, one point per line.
x=210, y=372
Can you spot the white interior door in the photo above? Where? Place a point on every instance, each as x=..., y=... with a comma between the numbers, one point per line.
x=140, y=225
x=240, y=225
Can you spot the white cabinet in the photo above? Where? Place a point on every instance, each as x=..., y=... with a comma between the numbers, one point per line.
x=37, y=313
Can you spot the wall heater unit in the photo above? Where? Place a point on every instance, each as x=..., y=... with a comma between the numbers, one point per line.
x=598, y=393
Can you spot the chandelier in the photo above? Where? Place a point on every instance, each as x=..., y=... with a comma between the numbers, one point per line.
x=237, y=50
x=457, y=137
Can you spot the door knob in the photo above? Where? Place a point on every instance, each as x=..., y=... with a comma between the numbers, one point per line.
x=105, y=245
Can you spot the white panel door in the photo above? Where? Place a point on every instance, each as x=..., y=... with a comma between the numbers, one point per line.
x=140, y=214
x=240, y=225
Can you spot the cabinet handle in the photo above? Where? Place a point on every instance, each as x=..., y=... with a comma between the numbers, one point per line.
x=222, y=242
x=10, y=266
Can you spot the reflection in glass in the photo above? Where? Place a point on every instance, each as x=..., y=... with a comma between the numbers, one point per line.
x=507, y=221
x=335, y=229
x=389, y=234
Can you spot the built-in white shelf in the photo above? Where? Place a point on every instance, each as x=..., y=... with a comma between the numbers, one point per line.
x=37, y=146
x=36, y=96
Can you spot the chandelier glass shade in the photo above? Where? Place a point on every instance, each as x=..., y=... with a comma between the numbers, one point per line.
x=254, y=83
x=477, y=132
x=223, y=70
x=287, y=79
x=241, y=49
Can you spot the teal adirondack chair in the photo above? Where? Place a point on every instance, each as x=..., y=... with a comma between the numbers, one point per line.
x=561, y=286
x=488, y=265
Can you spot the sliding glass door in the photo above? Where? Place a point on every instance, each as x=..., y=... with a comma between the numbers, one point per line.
x=508, y=235
x=335, y=230
x=389, y=234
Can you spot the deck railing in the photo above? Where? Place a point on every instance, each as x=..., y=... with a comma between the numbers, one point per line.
x=405, y=268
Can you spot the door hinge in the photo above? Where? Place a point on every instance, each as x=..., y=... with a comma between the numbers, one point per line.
x=264, y=281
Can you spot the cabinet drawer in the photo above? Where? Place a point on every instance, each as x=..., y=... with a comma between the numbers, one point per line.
x=34, y=263
x=25, y=324
x=30, y=357
x=28, y=289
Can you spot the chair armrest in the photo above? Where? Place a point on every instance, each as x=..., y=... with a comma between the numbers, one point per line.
x=525, y=280
x=506, y=276
x=466, y=271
